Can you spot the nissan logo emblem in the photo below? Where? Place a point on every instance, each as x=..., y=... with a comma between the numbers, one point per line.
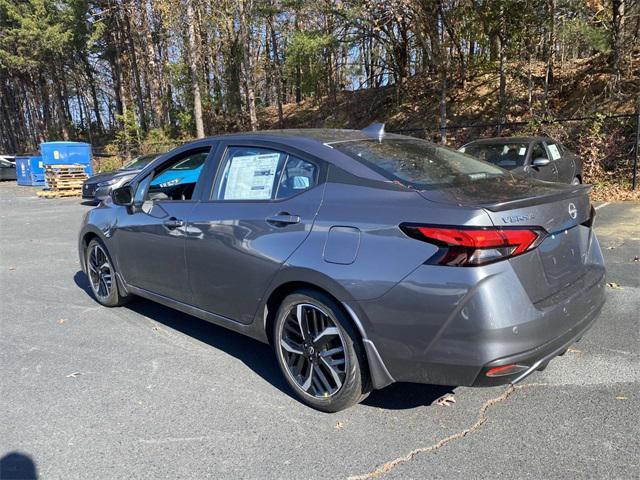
x=573, y=211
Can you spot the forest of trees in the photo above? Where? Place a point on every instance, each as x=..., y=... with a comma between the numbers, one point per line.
x=103, y=70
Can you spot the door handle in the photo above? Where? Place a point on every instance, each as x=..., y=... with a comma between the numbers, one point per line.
x=283, y=219
x=173, y=223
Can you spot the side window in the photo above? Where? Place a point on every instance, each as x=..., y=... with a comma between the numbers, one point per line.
x=297, y=176
x=177, y=179
x=538, y=151
x=554, y=151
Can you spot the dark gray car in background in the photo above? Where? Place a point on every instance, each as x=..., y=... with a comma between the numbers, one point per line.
x=99, y=186
x=539, y=157
x=363, y=258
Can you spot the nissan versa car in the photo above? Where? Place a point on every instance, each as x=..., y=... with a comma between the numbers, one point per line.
x=363, y=258
x=98, y=187
x=539, y=157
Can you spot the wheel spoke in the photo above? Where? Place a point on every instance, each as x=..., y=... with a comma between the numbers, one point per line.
x=289, y=347
x=327, y=332
x=334, y=373
x=303, y=322
x=307, y=383
x=323, y=379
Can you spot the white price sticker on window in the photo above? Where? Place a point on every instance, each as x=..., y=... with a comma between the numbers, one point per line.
x=553, y=150
x=251, y=177
x=522, y=152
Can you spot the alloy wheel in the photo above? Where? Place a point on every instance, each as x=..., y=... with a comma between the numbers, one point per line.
x=100, y=272
x=313, y=351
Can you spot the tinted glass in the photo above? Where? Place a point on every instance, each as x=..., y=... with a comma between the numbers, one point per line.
x=506, y=155
x=249, y=174
x=177, y=180
x=297, y=176
x=418, y=163
x=538, y=151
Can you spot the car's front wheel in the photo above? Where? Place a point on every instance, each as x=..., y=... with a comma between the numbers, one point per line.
x=102, y=275
x=319, y=352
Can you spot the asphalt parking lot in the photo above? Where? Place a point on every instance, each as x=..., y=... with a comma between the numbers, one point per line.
x=146, y=392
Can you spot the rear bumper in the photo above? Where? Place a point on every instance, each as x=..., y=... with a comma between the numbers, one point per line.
x=448, y=326
x=537, y=358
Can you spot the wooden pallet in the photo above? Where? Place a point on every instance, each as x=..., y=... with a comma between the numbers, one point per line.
x=63, y=180
x=59, y=193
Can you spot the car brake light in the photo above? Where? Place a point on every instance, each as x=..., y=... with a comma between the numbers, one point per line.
x=462, y=246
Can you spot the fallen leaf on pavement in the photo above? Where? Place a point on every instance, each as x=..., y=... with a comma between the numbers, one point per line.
x=636, y=259
x=446, y=401
x=74, y=374
x=61, y=321
x=339, y=425
x=613, y=285
x=620, y=397
x=11, y=269
x=573, y=350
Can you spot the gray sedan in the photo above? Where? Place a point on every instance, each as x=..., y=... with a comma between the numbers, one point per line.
x=538, y=157
x=363, y=258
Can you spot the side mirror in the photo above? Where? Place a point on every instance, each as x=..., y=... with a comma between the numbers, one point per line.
x=123, y=196
x=541, y=162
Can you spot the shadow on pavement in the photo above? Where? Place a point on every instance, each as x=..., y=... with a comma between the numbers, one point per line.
x=259, y=357
x=402, y=396
x=15, y=465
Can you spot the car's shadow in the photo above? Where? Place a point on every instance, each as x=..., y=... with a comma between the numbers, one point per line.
x=259, y=357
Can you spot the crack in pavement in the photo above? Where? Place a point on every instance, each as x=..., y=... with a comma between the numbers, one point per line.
x=482, y=418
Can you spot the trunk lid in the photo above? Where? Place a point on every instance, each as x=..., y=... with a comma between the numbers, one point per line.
x=562, y=210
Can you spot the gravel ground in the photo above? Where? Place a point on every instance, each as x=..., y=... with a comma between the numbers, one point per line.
x=147, y=392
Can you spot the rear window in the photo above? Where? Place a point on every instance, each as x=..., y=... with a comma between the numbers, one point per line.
x=418, y=163
x=506, y=155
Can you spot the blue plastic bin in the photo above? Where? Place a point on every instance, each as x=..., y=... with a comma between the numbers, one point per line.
x=56, y=153
x=29, y=170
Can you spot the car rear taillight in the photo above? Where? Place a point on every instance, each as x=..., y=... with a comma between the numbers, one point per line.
x=464, y=247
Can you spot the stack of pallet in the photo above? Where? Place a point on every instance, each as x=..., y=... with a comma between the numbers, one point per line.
x=63, y=180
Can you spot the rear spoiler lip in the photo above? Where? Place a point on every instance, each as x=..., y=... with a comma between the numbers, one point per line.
x=574, y=191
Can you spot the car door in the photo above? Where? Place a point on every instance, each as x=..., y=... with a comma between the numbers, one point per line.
x=549, y=172
x=150, y=238
x=261, y=207
x=564, y=163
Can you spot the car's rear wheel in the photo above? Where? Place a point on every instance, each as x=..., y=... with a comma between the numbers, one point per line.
x=319, y=352
x=102, y=275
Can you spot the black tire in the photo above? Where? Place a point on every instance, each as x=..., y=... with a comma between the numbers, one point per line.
x=318, y=368
x=105, y=291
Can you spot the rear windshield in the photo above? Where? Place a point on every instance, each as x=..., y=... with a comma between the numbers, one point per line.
x=418, y=163
x=506, y=155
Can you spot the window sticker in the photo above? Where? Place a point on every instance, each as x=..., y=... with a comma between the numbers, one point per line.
x=553, y=150
x=522, y=152
x=251, y=177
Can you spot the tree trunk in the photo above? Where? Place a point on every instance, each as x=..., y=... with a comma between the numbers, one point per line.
x=247, y=61
x=153, y=73
x=276, y=71
x=193, y=70
x=136, y=73
x=617, y=26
